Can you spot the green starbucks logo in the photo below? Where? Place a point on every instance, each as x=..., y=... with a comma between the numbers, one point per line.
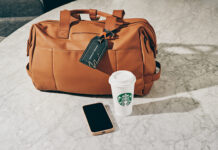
x=124, y=99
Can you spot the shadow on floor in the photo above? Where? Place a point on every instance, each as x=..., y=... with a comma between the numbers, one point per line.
x=76, y=94
x=113, y=120
x=185, y=67
x=173, y=105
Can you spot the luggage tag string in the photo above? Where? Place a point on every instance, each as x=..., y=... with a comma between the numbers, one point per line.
x=105, y=34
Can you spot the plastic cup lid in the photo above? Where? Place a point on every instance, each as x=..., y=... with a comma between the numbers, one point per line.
x=122, y=78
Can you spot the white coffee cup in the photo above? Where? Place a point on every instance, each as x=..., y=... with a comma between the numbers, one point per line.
x=122, y=85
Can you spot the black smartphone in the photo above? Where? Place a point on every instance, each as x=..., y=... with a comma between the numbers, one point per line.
x=98, y=119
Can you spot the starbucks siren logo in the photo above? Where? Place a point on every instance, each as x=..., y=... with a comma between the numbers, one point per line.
x=124, y=99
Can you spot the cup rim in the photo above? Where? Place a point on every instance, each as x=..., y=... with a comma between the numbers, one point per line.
x=114, y=81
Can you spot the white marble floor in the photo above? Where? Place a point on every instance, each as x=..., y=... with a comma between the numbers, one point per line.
x=180, y=113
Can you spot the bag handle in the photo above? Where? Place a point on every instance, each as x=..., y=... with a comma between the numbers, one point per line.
x=95, y=14
x=67, y=17
x=155, y=76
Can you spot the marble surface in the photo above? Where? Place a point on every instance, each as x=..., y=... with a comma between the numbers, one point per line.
x=180, y=113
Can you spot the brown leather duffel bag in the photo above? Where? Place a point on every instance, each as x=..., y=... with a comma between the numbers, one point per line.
x=55, y=48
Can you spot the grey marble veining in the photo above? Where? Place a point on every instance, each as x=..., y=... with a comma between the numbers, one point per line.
x=180, y=112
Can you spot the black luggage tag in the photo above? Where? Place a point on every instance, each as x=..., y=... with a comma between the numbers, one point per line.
x=94, y=51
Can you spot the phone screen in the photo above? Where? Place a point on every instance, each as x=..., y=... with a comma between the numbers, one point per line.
x=97, y=117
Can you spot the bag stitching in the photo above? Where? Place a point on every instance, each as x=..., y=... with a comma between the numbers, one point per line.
x=53, y=68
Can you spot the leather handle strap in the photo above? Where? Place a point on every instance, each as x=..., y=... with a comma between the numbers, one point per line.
x=93, y=13
x=153, y=77
x=67, y=17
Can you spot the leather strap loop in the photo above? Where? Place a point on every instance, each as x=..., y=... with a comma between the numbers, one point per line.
x=64, y=24
x=110, y=23
x=119, y=13
x=93, y=14
x=153, y=77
